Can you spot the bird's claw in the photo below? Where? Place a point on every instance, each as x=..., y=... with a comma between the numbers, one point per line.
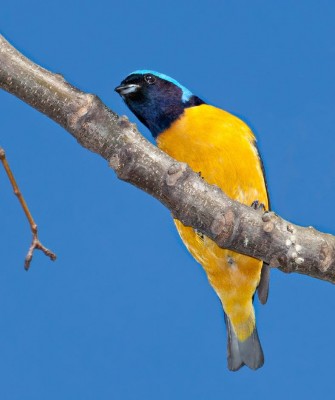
x=256, y=205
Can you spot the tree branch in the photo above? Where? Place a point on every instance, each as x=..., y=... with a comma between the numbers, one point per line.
x=36, y=243
x=230, y=224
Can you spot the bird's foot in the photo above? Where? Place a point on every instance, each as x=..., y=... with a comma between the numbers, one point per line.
x=256, y=205
x=199, y=174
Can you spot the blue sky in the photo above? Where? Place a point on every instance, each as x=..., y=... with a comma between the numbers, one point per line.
x=125, y=312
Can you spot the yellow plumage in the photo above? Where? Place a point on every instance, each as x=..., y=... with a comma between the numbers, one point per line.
x=221, y=147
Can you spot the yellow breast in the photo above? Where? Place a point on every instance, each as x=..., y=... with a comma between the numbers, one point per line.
x=221, y=147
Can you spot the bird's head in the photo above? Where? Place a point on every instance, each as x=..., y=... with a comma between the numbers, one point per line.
x=156, y=99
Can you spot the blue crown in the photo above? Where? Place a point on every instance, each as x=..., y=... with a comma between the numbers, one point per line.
x=186, y=93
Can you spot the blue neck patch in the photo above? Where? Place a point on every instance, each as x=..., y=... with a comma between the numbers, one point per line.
x=186, y=94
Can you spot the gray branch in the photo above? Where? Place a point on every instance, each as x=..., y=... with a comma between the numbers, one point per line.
x=190, y=199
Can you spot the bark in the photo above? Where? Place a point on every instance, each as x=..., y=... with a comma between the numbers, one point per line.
x=190, y=199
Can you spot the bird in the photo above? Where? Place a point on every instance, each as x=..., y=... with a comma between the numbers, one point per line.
x=222, y=148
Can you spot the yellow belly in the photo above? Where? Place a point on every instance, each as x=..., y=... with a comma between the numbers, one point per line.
x=221, y=147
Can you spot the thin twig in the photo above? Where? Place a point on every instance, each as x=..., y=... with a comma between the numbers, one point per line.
x=35, y=244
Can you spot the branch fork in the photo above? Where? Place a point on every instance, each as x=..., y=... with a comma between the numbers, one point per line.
x=35, y=244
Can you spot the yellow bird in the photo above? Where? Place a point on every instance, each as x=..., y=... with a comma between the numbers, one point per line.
x=223, y=149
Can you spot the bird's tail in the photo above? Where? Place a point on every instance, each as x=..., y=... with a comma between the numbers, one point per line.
x=247, y=352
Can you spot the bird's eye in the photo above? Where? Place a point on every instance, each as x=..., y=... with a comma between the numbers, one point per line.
x=149, y=79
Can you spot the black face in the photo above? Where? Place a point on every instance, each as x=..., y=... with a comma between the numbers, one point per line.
x=155, y=101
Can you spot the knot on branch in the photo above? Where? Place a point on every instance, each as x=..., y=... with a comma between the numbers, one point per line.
x=60, y=77
x=269, y=219
x=175, y=172
x=123, y=163
x=177, y=190
x=79, y=117
x=124, y=123
x=325, y=256
x=223, y=225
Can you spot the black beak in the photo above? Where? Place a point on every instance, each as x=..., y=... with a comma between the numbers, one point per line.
x=125, y=89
